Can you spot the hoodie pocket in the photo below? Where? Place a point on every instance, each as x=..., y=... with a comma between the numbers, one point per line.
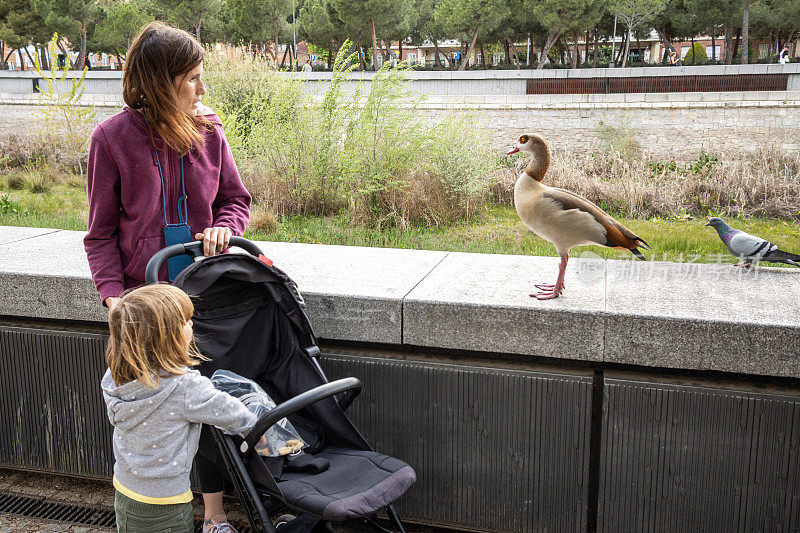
x=145, y=249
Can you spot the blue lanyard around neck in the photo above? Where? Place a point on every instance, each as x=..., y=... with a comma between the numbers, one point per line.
x=183, y=213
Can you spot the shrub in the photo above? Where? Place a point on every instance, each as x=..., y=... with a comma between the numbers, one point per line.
x=369, y=152
x=696, y=55
x=67, y=123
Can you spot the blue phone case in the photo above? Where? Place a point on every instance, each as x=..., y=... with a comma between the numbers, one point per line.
x=177, y=234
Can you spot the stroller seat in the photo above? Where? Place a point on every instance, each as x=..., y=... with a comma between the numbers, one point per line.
x=357, y=483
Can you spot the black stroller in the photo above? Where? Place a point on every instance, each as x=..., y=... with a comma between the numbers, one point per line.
x=250, y=319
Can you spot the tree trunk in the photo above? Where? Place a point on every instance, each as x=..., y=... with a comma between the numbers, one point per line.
x=575, y=56
x=82, y=49
x=275, y=27
x=513, y=50
x=27, y=53
x=727, y=36
x=436, y=59
x=2, y=53
x=586, y=47
x=627, y=48
x=483, y=55
x=330, y=57
x=692, y=50
x=400, y=50
x=285, y=52
x=667, y=45
x=119, y=60
x=469, y=50
x=506, y=53
x=360, y=56
x=45, y=64
x=736, y=42
x=374, y=45
x=552, y=37
x=596, y=47
x=746, y=33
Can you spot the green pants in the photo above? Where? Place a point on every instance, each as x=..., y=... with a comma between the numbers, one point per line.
x=138, y=517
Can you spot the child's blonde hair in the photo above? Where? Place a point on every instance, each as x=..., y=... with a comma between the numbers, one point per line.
x=147, y=339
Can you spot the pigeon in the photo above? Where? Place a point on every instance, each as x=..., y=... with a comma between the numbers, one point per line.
x=749, y=248
x=562, y=217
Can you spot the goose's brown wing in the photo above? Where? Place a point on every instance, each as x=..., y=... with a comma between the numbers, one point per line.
x=618, y=236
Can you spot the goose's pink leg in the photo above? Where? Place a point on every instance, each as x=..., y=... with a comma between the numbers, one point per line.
x=553, y=291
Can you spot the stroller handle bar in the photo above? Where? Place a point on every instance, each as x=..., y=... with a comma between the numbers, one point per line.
x=194, y=249
x=295, y=404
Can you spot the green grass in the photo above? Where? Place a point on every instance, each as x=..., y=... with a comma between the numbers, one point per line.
x=500, y=231
x=62, y=206
x=497, y=230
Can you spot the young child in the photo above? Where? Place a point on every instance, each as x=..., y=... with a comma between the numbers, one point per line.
x=156, y=404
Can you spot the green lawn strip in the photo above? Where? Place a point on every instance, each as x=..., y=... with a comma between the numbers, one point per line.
x=498, y=230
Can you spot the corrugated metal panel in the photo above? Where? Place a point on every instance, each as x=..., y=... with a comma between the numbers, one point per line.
x=494, y=450
x=678, y=458
x=52, y=414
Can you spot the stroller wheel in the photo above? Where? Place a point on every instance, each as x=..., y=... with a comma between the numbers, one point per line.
x=283, y=520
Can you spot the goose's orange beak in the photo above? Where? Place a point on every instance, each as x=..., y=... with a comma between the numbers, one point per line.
x=513, y=151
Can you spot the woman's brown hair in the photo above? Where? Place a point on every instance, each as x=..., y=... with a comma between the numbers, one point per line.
x=147, y=339
x=158, y=55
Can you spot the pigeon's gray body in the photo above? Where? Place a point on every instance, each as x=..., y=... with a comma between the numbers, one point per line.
x=750, y=248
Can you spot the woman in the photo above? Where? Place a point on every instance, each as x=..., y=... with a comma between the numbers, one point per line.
x=163, y=160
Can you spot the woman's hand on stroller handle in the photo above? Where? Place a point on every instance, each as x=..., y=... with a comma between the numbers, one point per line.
x=293, y=405
x=194, y=249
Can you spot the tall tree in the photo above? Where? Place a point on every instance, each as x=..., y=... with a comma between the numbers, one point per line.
x=73, y=19
x=381, y=20
x=633, y=14
x=467, y=19
x=123, y=20
x=319, y=24
x=746, y=32
x=559, y=18
x=199, y=17
x=260, y=20
x=20, y=25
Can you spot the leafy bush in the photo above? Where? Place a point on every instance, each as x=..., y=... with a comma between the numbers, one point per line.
x=369, y=152
x=8, y=206
x=696, y=55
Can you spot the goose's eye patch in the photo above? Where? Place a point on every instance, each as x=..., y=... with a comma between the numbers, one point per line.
x=523, y=139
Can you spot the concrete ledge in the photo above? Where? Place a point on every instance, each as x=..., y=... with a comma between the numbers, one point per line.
x=669, y=315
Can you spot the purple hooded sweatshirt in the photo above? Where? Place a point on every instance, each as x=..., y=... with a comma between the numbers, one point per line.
x=126, y=216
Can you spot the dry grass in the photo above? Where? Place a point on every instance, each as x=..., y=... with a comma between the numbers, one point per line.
x=764, y=185
x=262, y=221
x=20, y=151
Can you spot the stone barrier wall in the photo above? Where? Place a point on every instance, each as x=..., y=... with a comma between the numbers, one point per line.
x=650, y=396
x=667, y=125
x=440, y=83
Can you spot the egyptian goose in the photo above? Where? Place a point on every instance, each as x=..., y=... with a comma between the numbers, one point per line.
x=563, y=217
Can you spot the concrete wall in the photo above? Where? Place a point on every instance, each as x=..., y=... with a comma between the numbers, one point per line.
x=650, y=397
x=438, y=83
x=667, y=125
